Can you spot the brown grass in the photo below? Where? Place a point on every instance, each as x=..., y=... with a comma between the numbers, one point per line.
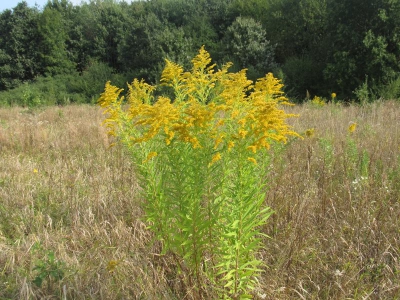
x=334, y=235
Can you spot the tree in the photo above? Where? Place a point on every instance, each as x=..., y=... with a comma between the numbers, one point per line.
x=365, y=44
x=18, y=44
x=52, y=49
x=247, y=44
x=148, y=42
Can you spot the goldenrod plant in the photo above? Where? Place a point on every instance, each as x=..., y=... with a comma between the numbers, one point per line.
x=201, y=159
x=318, y=101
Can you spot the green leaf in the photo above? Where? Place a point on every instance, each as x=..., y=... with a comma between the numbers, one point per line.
x=38, y=281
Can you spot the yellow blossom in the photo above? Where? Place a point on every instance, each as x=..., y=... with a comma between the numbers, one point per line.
x=220, y=122
x=216, y=157
x=231, y=145
x=242, y=133
x=210, y=107
x=172, y=73
x=318, y=101
x=242, y=122
x=111, y=265
x=140, y=92
x=333, y=95
x=234, y=113
x=150, y=156
x=109, y=96
x=252, y=160
x=195, y=142
x=352, y=127
x=218, y=141
x=252, y=148
x=271, y=86
x=310, y=132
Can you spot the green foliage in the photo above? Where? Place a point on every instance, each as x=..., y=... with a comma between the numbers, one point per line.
x=88, y=84
x=109, y=27
x=246, y=44
x=320, y=45
x=242, y=212
x=149, y=41
x=18, y=45
x=391, y=90
x=356, y=162
x=363, y=92
x=363, y=44
x=208, y=217
x=394, y=175
x=297, y=27
x=62, y=89
x=48, y=269
x=302, y=75
x=52, y=46
x=328, y=153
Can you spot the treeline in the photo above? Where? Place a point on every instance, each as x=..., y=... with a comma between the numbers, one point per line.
x=67, y=52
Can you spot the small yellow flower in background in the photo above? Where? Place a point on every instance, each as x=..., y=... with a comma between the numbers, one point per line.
x=35, y=171
x=310, y=132
x=352, y=127
x=333, y=95
x=318, y=101
x=271, y=86
x=111, y=265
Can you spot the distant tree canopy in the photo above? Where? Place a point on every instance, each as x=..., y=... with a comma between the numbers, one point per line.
x=316, y=46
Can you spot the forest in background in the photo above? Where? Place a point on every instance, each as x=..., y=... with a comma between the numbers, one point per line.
x=64, y=53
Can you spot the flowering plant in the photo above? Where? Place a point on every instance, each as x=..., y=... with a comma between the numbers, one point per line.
x=201, y=160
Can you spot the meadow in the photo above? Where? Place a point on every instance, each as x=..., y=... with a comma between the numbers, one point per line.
x=71, y=226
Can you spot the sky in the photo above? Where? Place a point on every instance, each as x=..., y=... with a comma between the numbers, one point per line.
x=9, y=4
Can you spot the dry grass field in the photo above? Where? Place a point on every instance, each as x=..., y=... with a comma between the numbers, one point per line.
x=71, y=226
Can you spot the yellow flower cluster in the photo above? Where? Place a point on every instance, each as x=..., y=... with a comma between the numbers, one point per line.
x=112, y=102
x=352, y=127
x=318, y=101
x=111, y=265
x=310, y=132
x=209, y=107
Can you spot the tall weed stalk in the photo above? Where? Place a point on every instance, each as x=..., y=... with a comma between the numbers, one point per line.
x=201, y=157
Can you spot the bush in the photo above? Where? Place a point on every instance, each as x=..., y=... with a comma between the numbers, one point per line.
x=391, y=90
x=303, y=75
x=62, y=89
x=201, y=161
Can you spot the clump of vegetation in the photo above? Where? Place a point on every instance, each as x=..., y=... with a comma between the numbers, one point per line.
x=201, y=162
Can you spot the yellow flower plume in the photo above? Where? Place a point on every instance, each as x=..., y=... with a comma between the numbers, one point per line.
x=211, y=109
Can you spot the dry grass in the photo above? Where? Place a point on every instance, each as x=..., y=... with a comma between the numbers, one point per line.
x=334, y=235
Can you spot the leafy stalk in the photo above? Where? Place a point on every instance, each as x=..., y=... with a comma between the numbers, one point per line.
x=201, y=159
